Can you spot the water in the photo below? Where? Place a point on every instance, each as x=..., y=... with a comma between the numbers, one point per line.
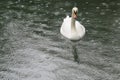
x=31, y=47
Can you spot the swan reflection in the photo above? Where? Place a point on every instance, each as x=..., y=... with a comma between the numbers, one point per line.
x=75, y=52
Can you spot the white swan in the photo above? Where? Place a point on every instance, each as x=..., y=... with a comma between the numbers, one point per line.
x=71, y=28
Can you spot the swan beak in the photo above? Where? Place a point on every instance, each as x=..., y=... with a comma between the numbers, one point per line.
x=75, y=14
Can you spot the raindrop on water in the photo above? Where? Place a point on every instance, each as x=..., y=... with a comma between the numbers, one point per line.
x=114, y=11
x=86, y=2
x=118, y=4
x=97, y=7
x=102, y=13
x=56, y=13
x=116, y=21
x=18, y=0
x=22, y=6
x=113, y=24
x=30, y=1
x=115, y=14
x=88, y=21
x=86, y=13
x=8, y=6
x=61, y=8
x=105, y=4
x=46, y=5
x=10, y=2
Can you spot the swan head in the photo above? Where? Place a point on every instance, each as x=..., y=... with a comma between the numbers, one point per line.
x=74, y=12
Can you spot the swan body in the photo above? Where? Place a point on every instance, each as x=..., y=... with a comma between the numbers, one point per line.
x=71, y=28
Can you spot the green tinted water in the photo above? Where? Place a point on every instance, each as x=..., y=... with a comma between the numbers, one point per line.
x=32, y=48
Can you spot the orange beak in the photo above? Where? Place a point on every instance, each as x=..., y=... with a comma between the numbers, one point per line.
x=75, y=15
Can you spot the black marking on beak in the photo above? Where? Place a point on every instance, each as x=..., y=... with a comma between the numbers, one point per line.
x=75, y=12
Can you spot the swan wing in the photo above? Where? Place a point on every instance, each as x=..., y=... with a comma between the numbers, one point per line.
x=66, y=27
x=80, y=29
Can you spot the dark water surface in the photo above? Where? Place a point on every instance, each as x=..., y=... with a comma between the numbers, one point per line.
x=32, y=48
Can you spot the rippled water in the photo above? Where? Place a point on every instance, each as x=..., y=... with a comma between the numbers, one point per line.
x=32, y=48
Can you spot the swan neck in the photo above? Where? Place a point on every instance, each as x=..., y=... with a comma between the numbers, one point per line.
x=72, y=23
